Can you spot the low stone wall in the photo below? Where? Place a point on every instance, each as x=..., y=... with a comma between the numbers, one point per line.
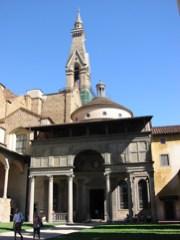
x=5, y=209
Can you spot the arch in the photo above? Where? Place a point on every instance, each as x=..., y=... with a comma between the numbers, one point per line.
x=88, y=160
x=4, y=160
x=19, y=130
x=76, y=75
x=18, y=165
x=143, y=195
x=96, y=148
x=8, y=162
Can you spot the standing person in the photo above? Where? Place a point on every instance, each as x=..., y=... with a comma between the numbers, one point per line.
x=37, y=226
x=17, y=220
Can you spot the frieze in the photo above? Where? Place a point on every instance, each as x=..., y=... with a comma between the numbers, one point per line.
x=51, y=171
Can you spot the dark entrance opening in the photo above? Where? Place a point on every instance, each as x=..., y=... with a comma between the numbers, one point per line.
x=97, y=203
x=169, y=210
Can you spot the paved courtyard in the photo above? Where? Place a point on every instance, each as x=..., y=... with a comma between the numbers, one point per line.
x=47, y=233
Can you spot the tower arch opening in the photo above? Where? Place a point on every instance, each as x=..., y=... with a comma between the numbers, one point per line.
x=76, y=76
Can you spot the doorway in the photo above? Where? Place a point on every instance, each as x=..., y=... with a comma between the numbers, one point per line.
x=96, y=203
x=169, y=210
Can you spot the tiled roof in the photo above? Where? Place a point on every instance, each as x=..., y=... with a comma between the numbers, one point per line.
x=166, y=130
x=99, y=102
x=8, y=94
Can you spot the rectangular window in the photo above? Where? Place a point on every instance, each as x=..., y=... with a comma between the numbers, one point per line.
x=164, y=160
x=21, y=143
x=162, y=140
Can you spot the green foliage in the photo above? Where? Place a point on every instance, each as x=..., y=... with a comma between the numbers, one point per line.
x=113, y=231
x=6, y=227
x=126, y=232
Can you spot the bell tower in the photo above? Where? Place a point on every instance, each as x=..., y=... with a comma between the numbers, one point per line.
x=78, y=67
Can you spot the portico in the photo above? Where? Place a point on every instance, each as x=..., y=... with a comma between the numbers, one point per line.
x=70, y=190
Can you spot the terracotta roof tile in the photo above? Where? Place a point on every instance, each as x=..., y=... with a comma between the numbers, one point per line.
x=103, y=102
x=166, y=130
x=8, y=94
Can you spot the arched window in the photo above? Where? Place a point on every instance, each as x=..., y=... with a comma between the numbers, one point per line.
x=76, y=76
x=123, y=188
x=143, y=197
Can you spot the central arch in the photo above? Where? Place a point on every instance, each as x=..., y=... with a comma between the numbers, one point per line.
x=88, y=161
x=89, y=185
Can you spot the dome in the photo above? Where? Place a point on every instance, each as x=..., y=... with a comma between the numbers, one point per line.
x=101, y=108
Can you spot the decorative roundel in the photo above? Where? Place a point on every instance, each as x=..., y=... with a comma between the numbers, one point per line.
x=95, y=164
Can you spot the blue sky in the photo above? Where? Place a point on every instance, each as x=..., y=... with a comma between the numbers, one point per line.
x=134, y=48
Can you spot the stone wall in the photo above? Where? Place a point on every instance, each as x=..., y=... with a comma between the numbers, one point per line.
x=18, y=102
x=2, y=103
x=20, y=119
x=5, y=209
x=54, y=106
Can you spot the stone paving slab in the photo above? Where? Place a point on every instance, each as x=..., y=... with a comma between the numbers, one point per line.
x=46, y=233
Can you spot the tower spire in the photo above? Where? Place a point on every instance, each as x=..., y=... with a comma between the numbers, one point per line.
x=78, y=66
x=78, y=27
x=78, y=22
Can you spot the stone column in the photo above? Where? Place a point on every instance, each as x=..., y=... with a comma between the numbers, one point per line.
x=6, y=181
x=108, y=199
x=50, y=199
x=70, y=199
x=31, y=199
x=130, y=201
x=152, y=196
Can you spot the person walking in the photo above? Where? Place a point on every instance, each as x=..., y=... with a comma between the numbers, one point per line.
x=37, y=223
x=17, y=223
